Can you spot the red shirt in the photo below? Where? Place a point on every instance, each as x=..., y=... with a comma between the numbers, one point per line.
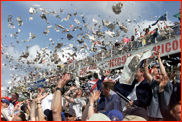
x=14, y=103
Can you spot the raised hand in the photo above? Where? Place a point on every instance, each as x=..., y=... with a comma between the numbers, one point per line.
x=73, y=88
x=40, y=97
x=107, y=73
x=18, y=106
x=158, y=54
x=61, y=83
x=92, y=98
x=97, y=95
x=163, y=83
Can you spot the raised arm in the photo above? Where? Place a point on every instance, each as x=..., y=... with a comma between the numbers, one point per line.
x=39, y=107
x=69, y=91
x=89, y=110
x=66, y=104
x=159, y=26
x=70, y=99
x=166, y=24
x=18, y=108
x=99, y=82
x=162, y=68
x=146, y=71
x=75, y=92
x=32, y=113
x=56, y=105
x=162, y=103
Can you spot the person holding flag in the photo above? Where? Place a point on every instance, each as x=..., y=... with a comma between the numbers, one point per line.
x=162, y=18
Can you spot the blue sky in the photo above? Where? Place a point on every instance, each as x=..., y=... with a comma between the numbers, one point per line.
x=90, y=10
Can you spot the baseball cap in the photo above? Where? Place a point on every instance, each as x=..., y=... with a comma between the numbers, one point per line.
x=48, y=114
x=115, y=115
x=105, y=112
x=116, y=40
x=133, y=118
x=70, y=111
x=5, y=101
x=99, y=117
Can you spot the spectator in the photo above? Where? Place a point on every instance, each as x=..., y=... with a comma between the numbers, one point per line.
x=126, y=40
x=89, y=109
x=137, y=34
x=112, y=100
x=76, y=103
x=19, y=117
x=116, y=46
x=139, y=93
x=163, y=105
x=176, y=28
x=56, y=105
x=154, y=35
x=176, y=93
x=101, y=104
x=136, y=44
x=26, y=108
x=17, y=114
x=13, y=100
x=153, y=111
x=130, y=43
x=147, y=36
x=143, y=42
x=4, y=110
x=154, y=71
x=70, y=114
x=166, y=32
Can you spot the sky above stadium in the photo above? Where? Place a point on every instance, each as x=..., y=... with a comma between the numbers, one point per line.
x=145, y=13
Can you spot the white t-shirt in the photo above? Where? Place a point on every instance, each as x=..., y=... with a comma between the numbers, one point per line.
x=10, y=108
x=5, y=114
x=46, y=102
x=137, y=35
x=77, y=106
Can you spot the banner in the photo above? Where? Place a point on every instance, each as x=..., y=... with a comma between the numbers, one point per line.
x=166, y=47
x=131, y=67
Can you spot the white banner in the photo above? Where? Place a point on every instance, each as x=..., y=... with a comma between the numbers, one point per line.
x=131, y=67
x=166, y=47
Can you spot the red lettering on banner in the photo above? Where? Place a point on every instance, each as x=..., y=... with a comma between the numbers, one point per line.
x=162, y=48
x=180, y=43
x=168, y=49
x=111, y=63
x=175, y=45
x=169, y=46
x=123, y=59
x=115, y=62
x=158, y=47
x=119, y=61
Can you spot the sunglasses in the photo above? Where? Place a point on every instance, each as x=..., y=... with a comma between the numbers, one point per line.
x=68, y=115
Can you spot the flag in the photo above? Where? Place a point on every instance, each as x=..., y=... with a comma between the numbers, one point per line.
x=178, y=16
x=162, y=18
